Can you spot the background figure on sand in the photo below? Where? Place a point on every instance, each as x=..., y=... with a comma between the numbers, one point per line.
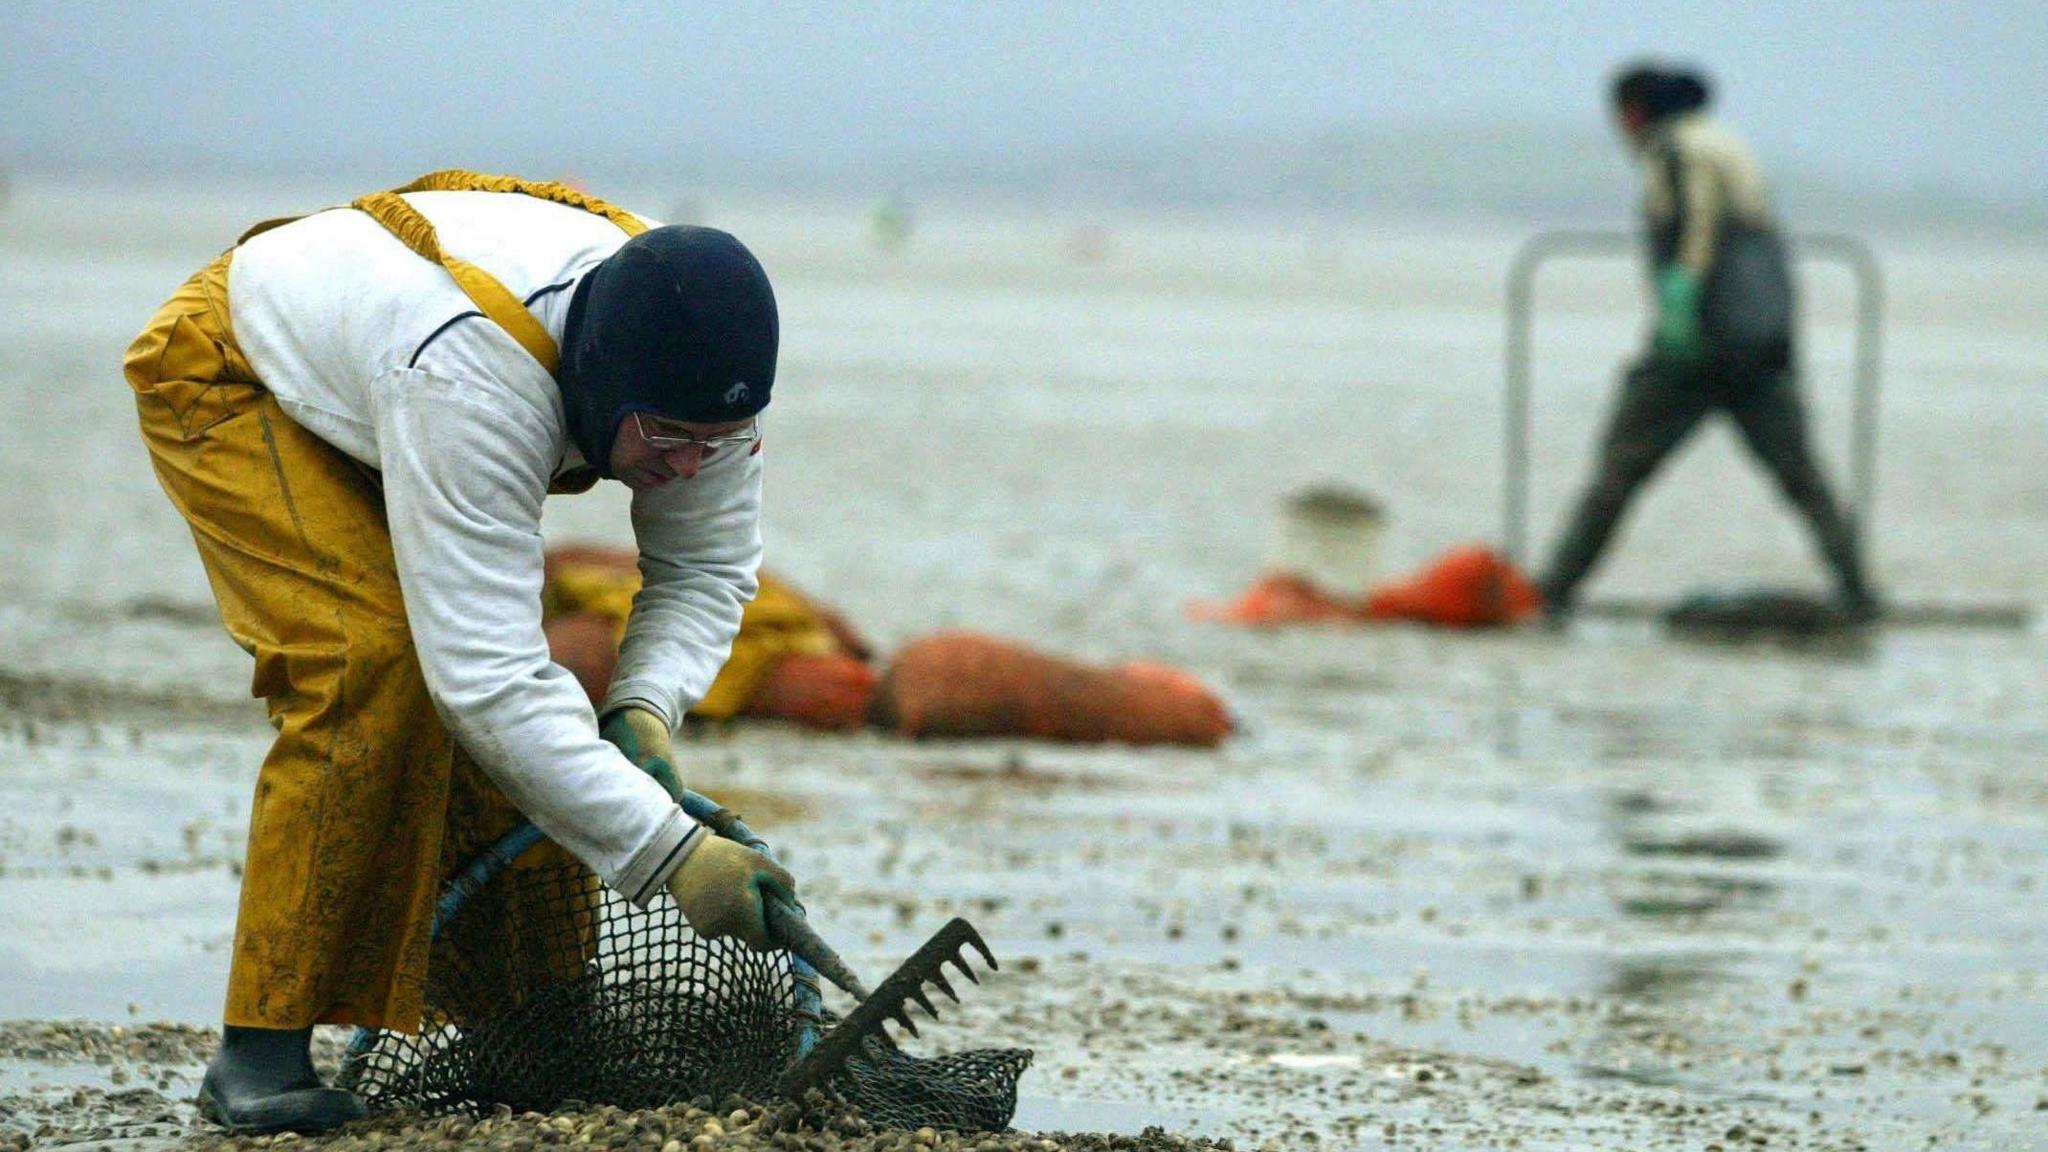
x=1723, y=338
x=360, y=427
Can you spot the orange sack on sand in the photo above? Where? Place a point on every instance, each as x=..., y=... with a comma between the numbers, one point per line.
x=1469, y=587
x=968, y=684
x=832, y=692
x=793, y=659
x=587, y=644
x=797, y=660
x=1274, y=599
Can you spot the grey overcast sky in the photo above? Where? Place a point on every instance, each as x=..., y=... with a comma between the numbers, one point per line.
x=1932, y=95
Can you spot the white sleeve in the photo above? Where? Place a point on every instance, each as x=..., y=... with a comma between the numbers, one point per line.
x=465, y=472
x=700, y=552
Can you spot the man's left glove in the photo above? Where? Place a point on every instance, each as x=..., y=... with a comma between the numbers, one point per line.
x=1678, y=315
x=643, y=738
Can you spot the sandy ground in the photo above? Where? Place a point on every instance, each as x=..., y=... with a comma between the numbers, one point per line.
x=1602, y=889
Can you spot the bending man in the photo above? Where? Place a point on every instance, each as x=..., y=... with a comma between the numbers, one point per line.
x=360, y=413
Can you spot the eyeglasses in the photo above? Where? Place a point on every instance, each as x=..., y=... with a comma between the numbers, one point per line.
x=737, y=438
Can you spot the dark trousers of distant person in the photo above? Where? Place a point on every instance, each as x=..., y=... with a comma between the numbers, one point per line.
x=1661, y=402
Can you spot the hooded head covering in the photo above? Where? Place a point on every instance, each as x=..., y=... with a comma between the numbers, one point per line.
x=680, y=323
x=1662, y=91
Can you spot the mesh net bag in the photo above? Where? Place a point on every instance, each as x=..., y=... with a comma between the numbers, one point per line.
x=548, y=990
x=973, y=1091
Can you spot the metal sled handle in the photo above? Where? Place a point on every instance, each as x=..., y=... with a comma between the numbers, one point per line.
x=1844, y=250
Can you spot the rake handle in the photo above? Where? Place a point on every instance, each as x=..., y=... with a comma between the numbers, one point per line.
x=786, y=920
x=792, y=929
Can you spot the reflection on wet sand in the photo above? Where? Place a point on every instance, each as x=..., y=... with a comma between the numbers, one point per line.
x=1659, y=1028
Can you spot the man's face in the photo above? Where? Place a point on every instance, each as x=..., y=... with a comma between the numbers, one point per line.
x=1634, y=121
x=649, y=451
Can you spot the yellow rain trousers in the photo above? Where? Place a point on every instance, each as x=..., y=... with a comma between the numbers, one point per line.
x=364, y=802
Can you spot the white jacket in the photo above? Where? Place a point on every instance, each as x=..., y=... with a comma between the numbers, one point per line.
x=377, y=351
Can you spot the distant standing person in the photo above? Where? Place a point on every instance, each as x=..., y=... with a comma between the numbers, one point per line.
x=1723, y=338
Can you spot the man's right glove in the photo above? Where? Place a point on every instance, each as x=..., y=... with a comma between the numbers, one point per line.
x=723, y=888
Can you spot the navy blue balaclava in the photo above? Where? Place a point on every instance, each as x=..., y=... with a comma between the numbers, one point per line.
x=680, y=322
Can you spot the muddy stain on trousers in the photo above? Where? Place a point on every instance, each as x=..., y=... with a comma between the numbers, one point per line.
x=364, y=802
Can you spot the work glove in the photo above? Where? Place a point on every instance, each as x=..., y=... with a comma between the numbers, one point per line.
x=1678, y=333
x=723, y=889
x=643, y=738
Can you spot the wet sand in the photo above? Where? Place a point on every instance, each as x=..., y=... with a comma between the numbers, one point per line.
x=1601, y=889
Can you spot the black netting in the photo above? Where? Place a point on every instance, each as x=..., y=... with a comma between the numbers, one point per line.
x=966, y=1091
x=546, y=989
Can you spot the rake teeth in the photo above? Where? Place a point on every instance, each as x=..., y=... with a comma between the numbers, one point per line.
x=890, y=1000
x=902, y=1017
x=980, y=945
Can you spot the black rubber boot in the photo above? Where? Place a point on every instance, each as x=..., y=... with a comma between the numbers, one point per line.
x=262, y=1080
x=1861, y=606
x=1558, y=605
x=1839, y=546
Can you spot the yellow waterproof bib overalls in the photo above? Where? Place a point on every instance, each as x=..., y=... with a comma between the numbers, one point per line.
x=364, y=801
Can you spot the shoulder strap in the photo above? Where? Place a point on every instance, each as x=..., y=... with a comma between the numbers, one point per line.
x=491, y=297
x=463, y=180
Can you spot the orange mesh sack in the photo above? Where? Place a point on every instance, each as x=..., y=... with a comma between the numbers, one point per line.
x=1277, y=598
x=1167, y=706
x=965, y=684
x=777, y=624
x=587, y=644
x=830, y=692
x=1470, y=587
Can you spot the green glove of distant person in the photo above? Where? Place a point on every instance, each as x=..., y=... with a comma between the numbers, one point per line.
x=723, y=889
x=643, y=738
x=1678, y=314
